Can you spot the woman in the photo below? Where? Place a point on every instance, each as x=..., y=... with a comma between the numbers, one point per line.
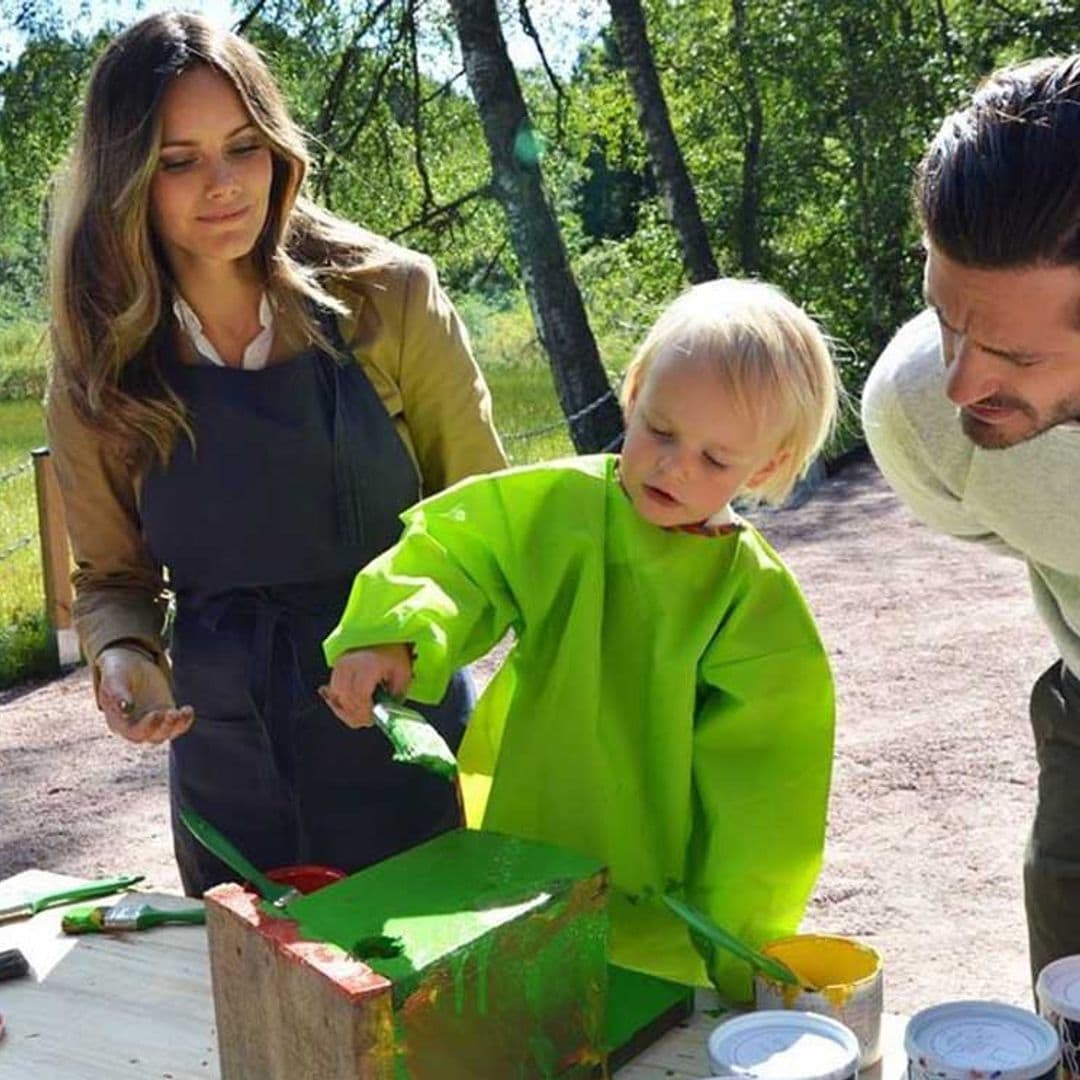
x=245, y=393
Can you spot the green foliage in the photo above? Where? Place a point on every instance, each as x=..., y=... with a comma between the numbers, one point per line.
x=22, y=361
x=24, y=642
x=27, y=648
x=526, y=409
x=39, y=99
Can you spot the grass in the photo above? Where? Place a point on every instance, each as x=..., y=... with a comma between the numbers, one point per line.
x=527, y=410
x=22, y=361
x=26, y=649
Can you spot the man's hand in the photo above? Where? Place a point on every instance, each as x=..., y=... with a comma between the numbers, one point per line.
x=134, y=695
x=359, y=673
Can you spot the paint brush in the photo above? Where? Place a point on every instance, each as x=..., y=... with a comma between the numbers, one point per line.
x=137, y=911
x=220, y=845
x=66, y=896
x=703, y=925
x=414, y=740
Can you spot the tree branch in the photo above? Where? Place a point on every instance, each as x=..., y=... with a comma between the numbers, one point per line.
x=417, y=112
x=349, y=56
x=449, y=210
x=240, y=28
x=560, y=95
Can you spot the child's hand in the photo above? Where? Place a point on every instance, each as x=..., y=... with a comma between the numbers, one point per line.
x=358, y=674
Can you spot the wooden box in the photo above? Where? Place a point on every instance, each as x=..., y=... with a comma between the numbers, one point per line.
x=474, y=955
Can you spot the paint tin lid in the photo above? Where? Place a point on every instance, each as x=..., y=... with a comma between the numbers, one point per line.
x=951, y=1040
x=1058, y=987
x=775, y=1044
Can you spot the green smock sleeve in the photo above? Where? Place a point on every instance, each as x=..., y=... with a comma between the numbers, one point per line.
x=762, y=758
x=443, y=587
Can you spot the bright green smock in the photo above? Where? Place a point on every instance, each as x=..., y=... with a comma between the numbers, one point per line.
x=667, y=706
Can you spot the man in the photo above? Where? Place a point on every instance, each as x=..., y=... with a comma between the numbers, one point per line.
x=973, y=411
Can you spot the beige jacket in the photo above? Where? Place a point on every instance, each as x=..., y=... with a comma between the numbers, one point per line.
x=414, y=349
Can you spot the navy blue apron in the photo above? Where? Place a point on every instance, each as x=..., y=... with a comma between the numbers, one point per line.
x=295, y=481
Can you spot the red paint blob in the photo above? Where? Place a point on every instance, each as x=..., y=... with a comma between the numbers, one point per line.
x=306, y=879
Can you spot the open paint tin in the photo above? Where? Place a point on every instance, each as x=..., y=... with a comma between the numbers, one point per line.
x=962, y=1039
x=1058, y=991
x=307, y=878
x=847, y=977
x=782, y=1045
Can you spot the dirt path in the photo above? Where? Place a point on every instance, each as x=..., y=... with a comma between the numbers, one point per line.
x=934, y=643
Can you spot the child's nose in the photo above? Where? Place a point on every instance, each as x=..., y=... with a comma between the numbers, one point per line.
x=674, y=463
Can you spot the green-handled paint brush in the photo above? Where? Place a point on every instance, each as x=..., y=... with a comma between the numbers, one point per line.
x=220, y=845
x=703, y=925
x=67, y=896
x=136, y=911
x=414, y=740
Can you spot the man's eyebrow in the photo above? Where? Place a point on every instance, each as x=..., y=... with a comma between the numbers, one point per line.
x=1006, y=354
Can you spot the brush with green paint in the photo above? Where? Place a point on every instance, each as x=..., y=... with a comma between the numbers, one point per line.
x=136, y=911
x=699, y=922
x=414, y=740
x=217, y=843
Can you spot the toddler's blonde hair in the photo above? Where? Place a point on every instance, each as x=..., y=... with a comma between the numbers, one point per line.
x=772, y=358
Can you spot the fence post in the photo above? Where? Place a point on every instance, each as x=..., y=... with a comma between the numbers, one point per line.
x=55, y=556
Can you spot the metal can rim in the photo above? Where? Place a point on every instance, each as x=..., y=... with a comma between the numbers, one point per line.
x=810, y=1022
x=1020, y=1019
x=1048, y=989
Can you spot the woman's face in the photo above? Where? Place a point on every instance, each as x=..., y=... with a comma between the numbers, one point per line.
x=211, y=191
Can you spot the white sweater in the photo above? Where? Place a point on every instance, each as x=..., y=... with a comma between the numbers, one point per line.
x=1025, y=500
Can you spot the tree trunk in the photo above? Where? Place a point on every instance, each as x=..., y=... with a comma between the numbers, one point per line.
x=676, y=189
x=581, y=383
x=748, y=227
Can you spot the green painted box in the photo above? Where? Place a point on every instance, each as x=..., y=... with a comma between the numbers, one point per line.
x=473, y=955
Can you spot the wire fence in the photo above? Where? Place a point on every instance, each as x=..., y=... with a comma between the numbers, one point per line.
x=563, y=422
x=14, y=546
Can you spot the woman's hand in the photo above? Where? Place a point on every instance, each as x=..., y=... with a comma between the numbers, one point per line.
x=134, y=694
x=359, y=673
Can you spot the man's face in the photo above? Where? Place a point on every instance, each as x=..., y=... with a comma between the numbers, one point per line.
x=1010, y=339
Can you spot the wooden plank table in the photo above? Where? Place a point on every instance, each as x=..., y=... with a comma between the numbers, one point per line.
x=138, y=1006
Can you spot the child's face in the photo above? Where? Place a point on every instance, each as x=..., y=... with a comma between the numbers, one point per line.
x=688, y=449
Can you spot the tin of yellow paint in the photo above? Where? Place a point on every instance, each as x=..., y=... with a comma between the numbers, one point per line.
x=846, y=978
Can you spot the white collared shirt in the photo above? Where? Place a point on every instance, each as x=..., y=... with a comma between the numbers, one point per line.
x=722, y=517
x=258, y=349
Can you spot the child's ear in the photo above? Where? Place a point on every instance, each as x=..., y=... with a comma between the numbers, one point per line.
x=766, y=470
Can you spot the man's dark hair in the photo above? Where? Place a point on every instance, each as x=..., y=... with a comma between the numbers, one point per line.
x=1000, y=184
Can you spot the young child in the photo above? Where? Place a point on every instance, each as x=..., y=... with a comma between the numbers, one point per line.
x=667, y=705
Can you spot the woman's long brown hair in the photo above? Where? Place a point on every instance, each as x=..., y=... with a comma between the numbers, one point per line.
x=109, y=280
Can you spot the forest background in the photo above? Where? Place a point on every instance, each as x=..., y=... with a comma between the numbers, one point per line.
x=642, y=144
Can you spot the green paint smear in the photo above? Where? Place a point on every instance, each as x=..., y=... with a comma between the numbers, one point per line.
x=440, y=897
x=414, y=740
x=482, y=955
x=503, y=968
x=368, y=949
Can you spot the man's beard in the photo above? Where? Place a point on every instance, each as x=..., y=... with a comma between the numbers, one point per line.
x=1001, y=437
